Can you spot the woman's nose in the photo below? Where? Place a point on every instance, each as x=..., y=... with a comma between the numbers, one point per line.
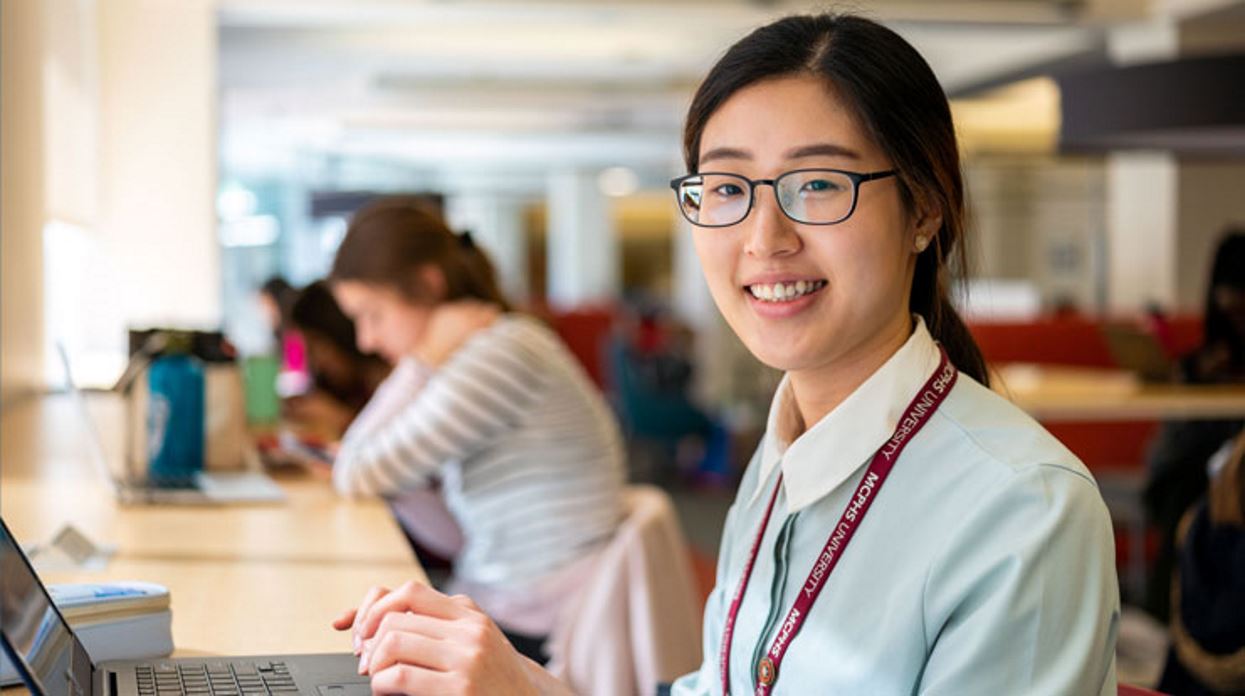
x=771, y=232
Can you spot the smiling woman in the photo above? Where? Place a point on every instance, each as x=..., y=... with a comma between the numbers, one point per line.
x=901, y=529
x=853, y=248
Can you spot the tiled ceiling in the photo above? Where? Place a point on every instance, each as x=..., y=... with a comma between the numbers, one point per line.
x=446, y=84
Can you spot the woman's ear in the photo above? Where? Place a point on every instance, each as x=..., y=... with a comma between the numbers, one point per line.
x=432, y=280
x=926, y=222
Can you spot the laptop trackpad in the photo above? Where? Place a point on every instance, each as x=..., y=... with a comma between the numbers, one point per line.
x=352, y=689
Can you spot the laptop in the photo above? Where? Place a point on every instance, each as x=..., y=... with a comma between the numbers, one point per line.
x=1138, y=351
x=52, y=661
x=204, y=488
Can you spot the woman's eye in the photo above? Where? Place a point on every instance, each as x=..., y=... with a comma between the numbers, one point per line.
x=818, y=185
x=729, y=190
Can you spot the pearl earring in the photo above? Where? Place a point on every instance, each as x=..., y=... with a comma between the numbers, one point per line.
x=921, y=243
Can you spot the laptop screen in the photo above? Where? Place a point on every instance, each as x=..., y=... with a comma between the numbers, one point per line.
x=48, y=651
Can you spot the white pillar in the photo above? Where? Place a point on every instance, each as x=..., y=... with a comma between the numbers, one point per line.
x=1142, y=200
x=1142, y=191
x=158, y=158
x=22, y=214
x=584, y=263
x=300, y=248
x=496, y=224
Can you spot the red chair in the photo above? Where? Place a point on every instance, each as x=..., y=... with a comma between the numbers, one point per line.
x=1126, y=690
x=585, y=331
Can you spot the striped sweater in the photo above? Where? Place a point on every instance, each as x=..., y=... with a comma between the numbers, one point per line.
x=528, y=453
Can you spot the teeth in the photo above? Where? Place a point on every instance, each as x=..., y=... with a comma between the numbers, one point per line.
x=780, y=292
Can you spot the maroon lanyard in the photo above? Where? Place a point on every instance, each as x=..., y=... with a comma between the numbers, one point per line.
x=923, y=405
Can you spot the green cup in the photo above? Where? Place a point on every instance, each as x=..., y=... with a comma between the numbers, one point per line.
x=259, y=374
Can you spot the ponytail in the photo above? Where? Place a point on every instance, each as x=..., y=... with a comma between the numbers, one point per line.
x=479, y=274
x=931, y=299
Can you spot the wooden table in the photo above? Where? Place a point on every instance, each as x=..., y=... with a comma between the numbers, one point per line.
x=1053, y=394
x=1060, y=395
x=242, y=579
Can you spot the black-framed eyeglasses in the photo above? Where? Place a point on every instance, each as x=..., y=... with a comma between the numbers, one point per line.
x=807, y=196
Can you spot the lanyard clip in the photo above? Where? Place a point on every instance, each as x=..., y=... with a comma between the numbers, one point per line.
x=766, y=672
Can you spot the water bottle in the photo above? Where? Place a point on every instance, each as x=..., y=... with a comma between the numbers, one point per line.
x=175, y=419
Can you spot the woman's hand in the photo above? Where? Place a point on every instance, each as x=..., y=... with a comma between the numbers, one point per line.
x=318, y=413
x=416, y=640
x=353, y=619
x=449, y=327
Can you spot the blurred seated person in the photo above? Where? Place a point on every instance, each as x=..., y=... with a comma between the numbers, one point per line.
x=652, y=375
x=343, y=378
x=485, y=400
x=1176, y=459
x=1221, y=358
x=276, y=300
x=1208, y=591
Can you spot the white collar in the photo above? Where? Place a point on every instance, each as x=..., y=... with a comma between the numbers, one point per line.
x=827, y=453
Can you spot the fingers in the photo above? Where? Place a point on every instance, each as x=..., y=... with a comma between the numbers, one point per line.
x=461, y=652
x=408, y=679
x=365, y=606
x=465, y=602
x=429, y=626
x=345, y=621
x=413, y=597
x=403, y=622
x=405, y=647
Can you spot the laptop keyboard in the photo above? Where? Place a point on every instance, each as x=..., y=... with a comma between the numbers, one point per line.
x=214, y=678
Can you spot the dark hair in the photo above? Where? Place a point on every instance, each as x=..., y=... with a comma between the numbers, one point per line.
x=277, y=288
x=317, y=311
x=317, y=315
x=282, y=294
x=1227, y=269
x=391, y=239
x=895, y=96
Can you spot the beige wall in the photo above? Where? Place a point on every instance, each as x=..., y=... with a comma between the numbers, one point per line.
x=21, y=197
x=109, y=119
x=158, y=158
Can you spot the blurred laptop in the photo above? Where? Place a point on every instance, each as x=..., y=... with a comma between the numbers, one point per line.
x=53, y=662
x=1137, y=351
x=204, y=488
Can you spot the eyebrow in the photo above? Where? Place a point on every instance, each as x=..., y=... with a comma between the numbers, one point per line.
x=823, y=150
x=817, y=150
x=719, y=153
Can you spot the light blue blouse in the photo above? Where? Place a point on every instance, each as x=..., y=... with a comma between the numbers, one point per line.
x=985, y=566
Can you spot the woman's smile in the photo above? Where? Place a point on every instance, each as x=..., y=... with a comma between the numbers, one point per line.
x=787, y=297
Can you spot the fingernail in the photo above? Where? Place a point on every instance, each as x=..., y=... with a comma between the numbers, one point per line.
x=363, y=663
x=358, y=644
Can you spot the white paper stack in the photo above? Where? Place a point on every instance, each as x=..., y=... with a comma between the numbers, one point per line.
x=125, y=620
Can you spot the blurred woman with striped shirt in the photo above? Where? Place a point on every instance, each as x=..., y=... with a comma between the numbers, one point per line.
x=486, y=401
